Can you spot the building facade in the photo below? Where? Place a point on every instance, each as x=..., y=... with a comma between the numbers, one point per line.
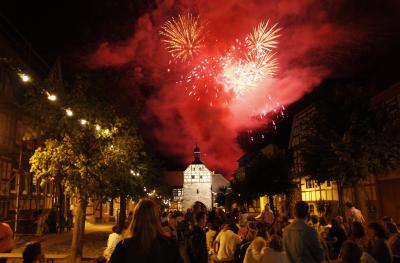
x=22, y=197
x=197, y=181
x=379, y=190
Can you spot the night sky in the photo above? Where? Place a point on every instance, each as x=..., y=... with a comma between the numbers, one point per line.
x=336, y=39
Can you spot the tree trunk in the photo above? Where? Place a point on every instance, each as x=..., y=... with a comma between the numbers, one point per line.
x=271, y=203
x=360, y=199
x=122, y=211
x=359, y=190
x=78, y=231
x=340, y=198
x=111, y=212
x=61, y=208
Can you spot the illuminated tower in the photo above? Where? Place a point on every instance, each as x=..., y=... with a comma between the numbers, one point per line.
x=197, y=181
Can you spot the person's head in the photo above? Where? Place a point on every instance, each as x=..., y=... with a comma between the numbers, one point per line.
x=357, y=230
x=145, y=225
x=349, y=205
x=350, y=252
x=233, y=227
x=339, y=219
x=251, y=225
x=199, y=207
x=100, y=259
x=301, y=210
x=32, y=253
x=243, y=210
x=172, y=220
x=266, y=207
x=258, y=244
x=391, y=228
x=251, y=234
x=275, y=243
x=117, y=229
x=387, y=219
x=334, y=223
x=322, y=221
x=314, y=219
x=376, y=231
x=201, y=219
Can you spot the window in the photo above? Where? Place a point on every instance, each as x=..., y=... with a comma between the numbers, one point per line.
x=192, y=176
x=310, y=184
x=328, y=183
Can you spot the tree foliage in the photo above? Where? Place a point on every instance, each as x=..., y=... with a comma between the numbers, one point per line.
x=350, y=138
x=102, y=156
x=264, y=175
x=268, y=175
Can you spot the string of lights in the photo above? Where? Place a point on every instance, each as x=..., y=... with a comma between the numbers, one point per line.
x=69, y=112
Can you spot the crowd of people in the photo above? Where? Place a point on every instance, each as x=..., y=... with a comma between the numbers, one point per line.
x=236, y=237
x=201, y=236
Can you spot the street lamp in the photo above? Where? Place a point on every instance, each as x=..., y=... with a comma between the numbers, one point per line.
x=83, y=121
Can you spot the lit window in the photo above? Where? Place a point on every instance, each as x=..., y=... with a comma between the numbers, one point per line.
x=310, y=183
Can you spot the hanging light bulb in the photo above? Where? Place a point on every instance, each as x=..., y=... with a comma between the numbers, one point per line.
x=24, y=77
x=69, y=112
x=51, y=97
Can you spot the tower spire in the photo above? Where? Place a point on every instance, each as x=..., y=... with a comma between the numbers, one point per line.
x=196, y=152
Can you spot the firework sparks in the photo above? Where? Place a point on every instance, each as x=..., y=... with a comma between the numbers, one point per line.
x=263, y=39
x=201, y=81
x=260, y=44
x=184, y=37
x=234, y=73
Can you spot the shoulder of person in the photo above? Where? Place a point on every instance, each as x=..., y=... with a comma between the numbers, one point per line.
x=126, y=242
x=167, y=241
x=5, y=225
x=367, y=258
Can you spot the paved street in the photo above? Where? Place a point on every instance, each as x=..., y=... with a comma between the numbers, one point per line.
x=95, y=241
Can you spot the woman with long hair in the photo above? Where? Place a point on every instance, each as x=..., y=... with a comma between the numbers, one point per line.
x=145, y=241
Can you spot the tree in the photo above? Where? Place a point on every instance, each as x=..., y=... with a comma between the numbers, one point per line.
x=127, y=167
x=349, y=139
x=268, y=175
x=90, y=152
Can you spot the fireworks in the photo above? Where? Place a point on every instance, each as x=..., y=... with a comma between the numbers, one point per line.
x=201, y=81
x=260, y=44
x=231, y=75
x=263, y=39
x=249, y=63
x=240, y=76
x=184, y=37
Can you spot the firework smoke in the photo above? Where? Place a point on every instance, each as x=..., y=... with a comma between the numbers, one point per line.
x=314, y=32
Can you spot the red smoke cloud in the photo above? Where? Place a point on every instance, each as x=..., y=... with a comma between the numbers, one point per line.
x=312, y=32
